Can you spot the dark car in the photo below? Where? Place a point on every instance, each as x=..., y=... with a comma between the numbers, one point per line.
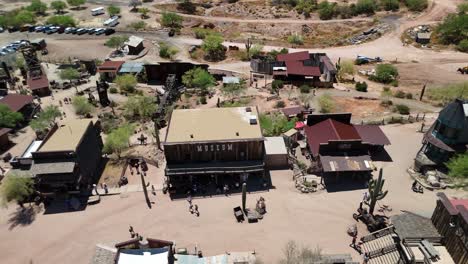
x=61, y=30
x=109, y=31
x=32, y=28
x=24, y=28
x=91, y=31
x=13, y=29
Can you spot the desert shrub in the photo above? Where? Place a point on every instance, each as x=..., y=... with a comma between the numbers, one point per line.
x=276, y=85
x=296, y=39
x=402, y=109
x=82, y=106
x=346, y=67
x=166, y=51
x=304, y=88
x=139, y=25
x=449, y=92
x=416, y=5
x=394, y=83
x=344, y=11
x=385, y=73
x=326, y=103
x=390, y=5
x=399, y=94
x=326, y=10
x=126, y=83
x=280, y=104
x=409, y=96
x=198, y=78
x=365, y=7
x=386, y=103
x=213, y=47
x=361, y=86
x=113, y=90
x=275, y=124
x=458, y=166
x=255, y=50
x=453, y=29
x=171, y=20
x=463, y=45
x=201, y=33
x=203, y=100
x=187, y=6
x=65, y=21
x=113, y=10
x=463, y=8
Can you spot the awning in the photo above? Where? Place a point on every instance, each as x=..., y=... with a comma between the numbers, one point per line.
x=299, y=125
x=143, y=256
x=291, y=132
x=437, y=142
x=52, y=168
x=372, y=134
x=215, y=167
x=346, y=163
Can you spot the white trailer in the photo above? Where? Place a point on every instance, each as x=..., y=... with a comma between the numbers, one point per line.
x=97, y=11
x=111, y=22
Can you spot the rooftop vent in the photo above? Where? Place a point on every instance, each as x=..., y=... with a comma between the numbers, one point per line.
x=248, y=109
x=237, y=133
x=253, y=120
x=191, y=135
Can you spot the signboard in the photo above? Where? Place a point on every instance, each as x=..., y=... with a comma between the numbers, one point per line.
x=214, y=147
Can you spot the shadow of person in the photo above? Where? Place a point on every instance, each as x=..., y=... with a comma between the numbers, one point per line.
x=23, y=216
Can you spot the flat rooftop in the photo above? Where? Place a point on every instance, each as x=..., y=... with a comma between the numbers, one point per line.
x=213, y=124
x=67, y=136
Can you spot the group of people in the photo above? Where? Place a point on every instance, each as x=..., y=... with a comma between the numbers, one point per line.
x=193, y=208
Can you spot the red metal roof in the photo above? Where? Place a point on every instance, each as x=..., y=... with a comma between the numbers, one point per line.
x=4, y=131
x=462, y=202
x=110, y=66
x=298, y=68
x=16, y=101
x=295, y=56
x=38, y=83
x=372, y=135
x=293, y=111
x=327, y=130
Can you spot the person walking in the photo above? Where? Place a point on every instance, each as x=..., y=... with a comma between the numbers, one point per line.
x=106, y=190
x=195, y=208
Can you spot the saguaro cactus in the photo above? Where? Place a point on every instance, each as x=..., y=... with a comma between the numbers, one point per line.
x=244, y=195
x=375, y=191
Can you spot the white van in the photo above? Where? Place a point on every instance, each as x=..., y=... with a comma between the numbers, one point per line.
x=97, y=11
x=111, y=22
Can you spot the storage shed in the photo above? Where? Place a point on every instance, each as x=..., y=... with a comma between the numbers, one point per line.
x=276, y=154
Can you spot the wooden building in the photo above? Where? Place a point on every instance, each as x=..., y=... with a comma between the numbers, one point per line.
x=4, y=140
x=205, y=145
x=20, y=103
x=134, y=45
x=108, y=70
x=157, y=73
x=450, y=218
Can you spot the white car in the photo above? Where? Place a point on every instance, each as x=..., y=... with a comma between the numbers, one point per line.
x=100, y=31
x=68, y=30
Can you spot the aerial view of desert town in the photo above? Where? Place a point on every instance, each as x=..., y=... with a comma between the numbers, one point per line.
x=234, y=131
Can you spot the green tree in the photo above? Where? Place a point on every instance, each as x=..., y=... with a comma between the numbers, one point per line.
x=126, y=83
x=458, y=166
x=326, y=10
x=416, y=5
x=45, y=118
x=453, y=29
x=113, y=10
x=139, y=107
x=16, y=187
x=296, y=39
x=385, y=73
x=116, y=42
x=65, y=21
x=76, y=3
x=275, y=124
x=326, y=103
x=24, y=17
x=171, y=20
x=118, y=140
x=463, y=8
x=198, y=78
x=390, y=5
x=402, y=109
x=463, y=45
x=37, y=7
x=134, y=4
x=166, y=51
x=277, y=85
x=365, y=7
x=346, y=68
x=138, y=25
x=70, y=74
x=9, y=118
x=213, y=47
x=82, y=106
x=233, y=90
x=59, y=6
x=144, y=12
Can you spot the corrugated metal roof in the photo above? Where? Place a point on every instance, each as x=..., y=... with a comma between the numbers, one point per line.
x=131, y=67
x=372, y=134
x=275, y=146
x=52, y=168
x=38, y=83
x=295, y=56
x=346, y=163
x=134, y=41
x=293, y=111
x=298, y=68
x=110, y=66
x=228, y=80
x=16, y=101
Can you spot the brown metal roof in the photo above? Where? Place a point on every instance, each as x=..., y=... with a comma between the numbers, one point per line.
x=293, y=111
x=346, y=163
x=16, y=101
x=4, y=131
x=327, y=130
x=298, y=68
x=110, y=66
x=372, y=135
x=295, y=56
x=38, y=83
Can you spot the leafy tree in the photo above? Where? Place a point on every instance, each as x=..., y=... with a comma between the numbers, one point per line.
x=134, y=4
x=361, y=86
x=306, y=7
x=458, y=166
x=463, y=8
x=139, y=107
x=9, y=118
x=345, y=68
x=59, y=6
x=326, y=10
x=138, y=25
x=296, y=39
x=126, y=83
x=213, y=47
x=365, y=7
x=16, y=187
x=69, y=74
x=277, y=85
x=255, y=50
x=385, y=73
x=463, y=45
x=118, y=140
x=166, y=51
x=187, y=6
x=453, y=29
x=113, y=10
x=275, y=124
x=116, y=42
x=24, y=17
x=65, y=21
x=82, y=106
x=390, y=5
x=144, y=12
x=201, y=33
x=198, y=78
x=233, y=90
x=37, y=7
x=45, y=118
x=416, y=5
x=171, y=20
x=326, y=103
x=76, y=3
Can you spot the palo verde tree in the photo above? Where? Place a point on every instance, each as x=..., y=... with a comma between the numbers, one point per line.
x=376, y=191
x=126, y=83
x=118, y=140
x=76, y=3
x=37, y=7
x=70, y=74
x=139, y=107
x=233, y=90
x=198, y=78
x=213, y=47
x=458, y=166
x=16, y=187
x=171, y=20
x=9, y=118
x=116, y=42
x=113, y=10
x=82, y=106
x=59, y=6
x=46, y=118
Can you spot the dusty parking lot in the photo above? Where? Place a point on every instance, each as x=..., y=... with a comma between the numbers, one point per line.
x=310, y=219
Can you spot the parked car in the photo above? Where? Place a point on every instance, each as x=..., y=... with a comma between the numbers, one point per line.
x=24, y=28
x=61, y=30
x=81, y=31
x=32, y=28
x=69, y=30
x=91, y=31
x=109, y=31
x=39, y=29
x=51, y=30
x=2, y=29
x=100, y=31
x=13, y=29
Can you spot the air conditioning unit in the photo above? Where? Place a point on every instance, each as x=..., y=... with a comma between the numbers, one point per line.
x=253, y=120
